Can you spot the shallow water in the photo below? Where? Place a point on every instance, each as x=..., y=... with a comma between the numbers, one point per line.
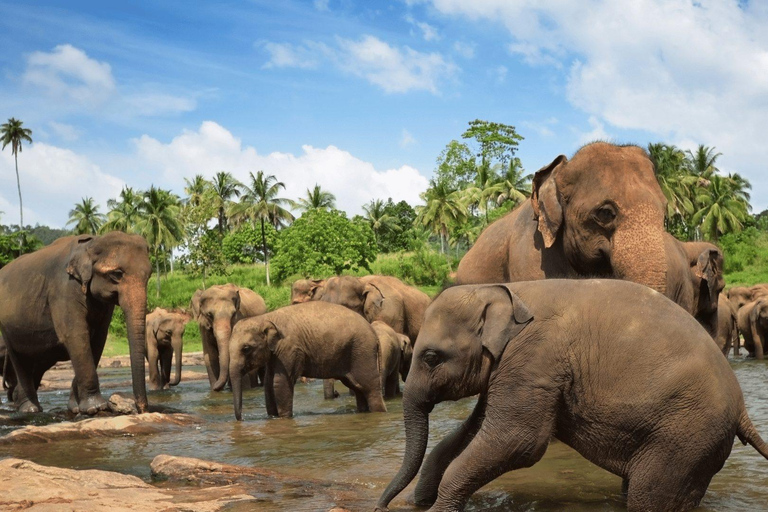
x=328, y=440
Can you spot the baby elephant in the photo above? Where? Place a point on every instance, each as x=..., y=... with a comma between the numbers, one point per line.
x=311, y=339
x=165, y=337
x=753, y=324
x=611, y=368
x=394, y=357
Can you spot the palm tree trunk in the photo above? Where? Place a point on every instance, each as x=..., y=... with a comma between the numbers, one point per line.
x=264, y=248
x=442, y=243
x=21, y=207
x=157, y=275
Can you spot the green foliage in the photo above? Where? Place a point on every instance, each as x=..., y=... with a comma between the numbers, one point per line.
x=86, y=217
x=46, y=234
x=497, y=141
x=10, y=248
x=742, y=249
x=422, y=267
x=322, y=243
x=401, y=239
x=244, y=244
x=456, y=165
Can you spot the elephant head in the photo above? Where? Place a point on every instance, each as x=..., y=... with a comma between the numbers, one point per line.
x=114, y=268
x=606, y=209
x=706, y=262
x=758, y=322
x=739, y=296
x=167, y=328
x=251, y=346
x=218, y=310
x=304, y=290
x=346, y=291
x=465, y=331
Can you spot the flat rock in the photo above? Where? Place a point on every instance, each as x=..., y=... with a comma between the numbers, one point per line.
x=134, y=425
x=32, y=487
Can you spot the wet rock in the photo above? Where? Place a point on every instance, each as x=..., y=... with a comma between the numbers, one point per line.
x=121, y=405
x=116, y=364
x=32, y=487
x=117, y=426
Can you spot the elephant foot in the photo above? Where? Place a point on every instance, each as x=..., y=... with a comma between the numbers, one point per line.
x=27, y=406
x=92, y=405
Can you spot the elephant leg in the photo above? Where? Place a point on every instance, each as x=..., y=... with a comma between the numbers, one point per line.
x=354, y=387
x=269, y=391
x=367, y=392
x=166, y=358
x=443, y=454
x=210, y=356
x=260, y=375
x=329, y=393
x=282, y=388
x=25, y=394
x=153, y=356
x=253, y=379
x=392, y=385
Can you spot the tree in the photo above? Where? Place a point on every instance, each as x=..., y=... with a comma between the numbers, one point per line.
x=224, y=187
x=124, y=212
x=243, y=245
x=316, y=199
x=702, y=161
x=14, y=133
x=381, y=221
x=203, y=254
x=86, y=217
x=515, y=184
x=323, y=243
x=159, y=224
x=402, y=239
x=444, y=208
x=259, y=203
x=723, y=208
x=497, y=141
x=456, y=165
x=485, y=190
x=196, y=189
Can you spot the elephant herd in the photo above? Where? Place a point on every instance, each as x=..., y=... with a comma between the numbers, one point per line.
x=576, y=317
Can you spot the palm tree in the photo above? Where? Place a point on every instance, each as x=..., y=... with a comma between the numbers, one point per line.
x=15, y=134
x=195, y=189
x=159, y=223
x=86, y=217
x=486, y=189
x=515, y=185
x=723, y=208
x=702, y=161
x=675, y=180
x=224, y=187
x=259, y=202
x=123, y=212
x=376, y=214
x=316, y=199
x=443, y=207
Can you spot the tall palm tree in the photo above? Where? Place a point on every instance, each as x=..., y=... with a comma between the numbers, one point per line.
x=702, y=161
x=675, y=180
x=86, y=217
x=195, y=189
x=316, y=199
x=123, y=212
x=159, y=223
x=259, y=203
x=443, y=207
x=224, y=187
x=723, y=209
x=15, y=134
x=376, y=214
x=515, y=184
x=485, y=189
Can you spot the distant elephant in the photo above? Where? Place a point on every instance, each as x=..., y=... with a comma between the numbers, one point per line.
x=313, y=339
x=727, y=326
x=303, y=290
x=570, y=359
x=599, y=214
x=394, y=357
x=165, y=338
x=217, y=310
x=753, y=325
x=60, y=299
x=739, y=296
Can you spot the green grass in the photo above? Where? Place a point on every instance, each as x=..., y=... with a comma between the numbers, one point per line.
x=750, y=259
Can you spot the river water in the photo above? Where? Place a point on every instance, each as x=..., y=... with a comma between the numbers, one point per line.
x=328, y=440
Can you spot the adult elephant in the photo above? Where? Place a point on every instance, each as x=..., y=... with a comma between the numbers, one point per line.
x=727, y=326
x=741, y=295
x=61, y=298
x=753, y=325
x=165, y=340
x=661, y=411
x=600, y=214
x=217, y=310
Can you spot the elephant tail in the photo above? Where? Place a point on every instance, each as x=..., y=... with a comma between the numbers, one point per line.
x=748, y=434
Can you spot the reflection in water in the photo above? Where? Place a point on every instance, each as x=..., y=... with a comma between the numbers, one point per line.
x=328, y=440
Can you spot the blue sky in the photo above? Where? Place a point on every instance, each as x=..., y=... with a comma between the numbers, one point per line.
x=361, y=97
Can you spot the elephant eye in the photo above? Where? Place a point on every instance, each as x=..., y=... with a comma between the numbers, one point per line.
x=247, y=349
x=116, y=275
x=605, y=214
x=431, y=358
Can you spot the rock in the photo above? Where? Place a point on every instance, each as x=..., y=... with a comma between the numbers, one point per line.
x=115, y=364
x=126, y=426
x=121, y=405
x=32, y=487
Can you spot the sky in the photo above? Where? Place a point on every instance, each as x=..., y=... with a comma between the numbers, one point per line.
x=361, y=97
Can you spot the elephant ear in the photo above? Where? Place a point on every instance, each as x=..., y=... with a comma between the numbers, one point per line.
x=372, y=294
x=80, y=265
x=708, y=268
x=503, y=318
x=236, y=300
x=314, y=287
x=194, y=304
x=545, y=201
x=272, y=334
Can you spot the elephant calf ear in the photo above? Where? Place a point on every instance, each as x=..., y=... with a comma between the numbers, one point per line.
x=545, y=201
x=503, y=318
x=708, y=269
x=273, y=335
x=80, y=264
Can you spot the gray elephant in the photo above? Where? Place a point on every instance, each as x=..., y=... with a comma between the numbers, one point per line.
x=753, y=324
x=57, y=303
x=741, y=295
x=165, y=339
x=394, y=357
x=727, y=327
x=312, y=339
x=303, y=290
x=217, y=310
x=570, y=359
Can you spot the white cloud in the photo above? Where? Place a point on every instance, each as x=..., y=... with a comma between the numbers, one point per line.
x=158, y=104
x=428, y=32
x=213, y=148
x=52, y=179
x=395, y=70
x=407, y=139
x=321, y=5
x=596, y=133
x=543, y=128
x=66, y=132
x=678, y=69
x=500, y=74
x=466, y=50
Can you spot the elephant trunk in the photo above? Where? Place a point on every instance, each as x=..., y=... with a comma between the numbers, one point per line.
x=134, y=306
x=638, y=252
x=177, y=349
x=416, y=416
x=222, y=330
x=236, y=378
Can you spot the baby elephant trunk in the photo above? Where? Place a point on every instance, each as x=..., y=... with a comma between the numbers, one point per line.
x=222, y=330
x=236, y=379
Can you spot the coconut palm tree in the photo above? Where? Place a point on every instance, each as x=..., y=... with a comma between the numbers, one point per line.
x=316, y=199
x=485, y=190
x=159, y=224
x=14, y=133
x=259, y=203
x=86, y=217
x=515, y=184
x=676, y=182
x=196, y=189
x=123, y=212
x=443, y=208
x=224, y=187
x=702, y=161
x=376, y=214
x=723, y=208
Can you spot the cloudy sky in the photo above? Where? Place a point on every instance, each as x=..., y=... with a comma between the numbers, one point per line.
x=361, y=97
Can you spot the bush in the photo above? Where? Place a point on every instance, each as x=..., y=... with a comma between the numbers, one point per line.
x=740, y=249
x=423, y=267
x=244, y=244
